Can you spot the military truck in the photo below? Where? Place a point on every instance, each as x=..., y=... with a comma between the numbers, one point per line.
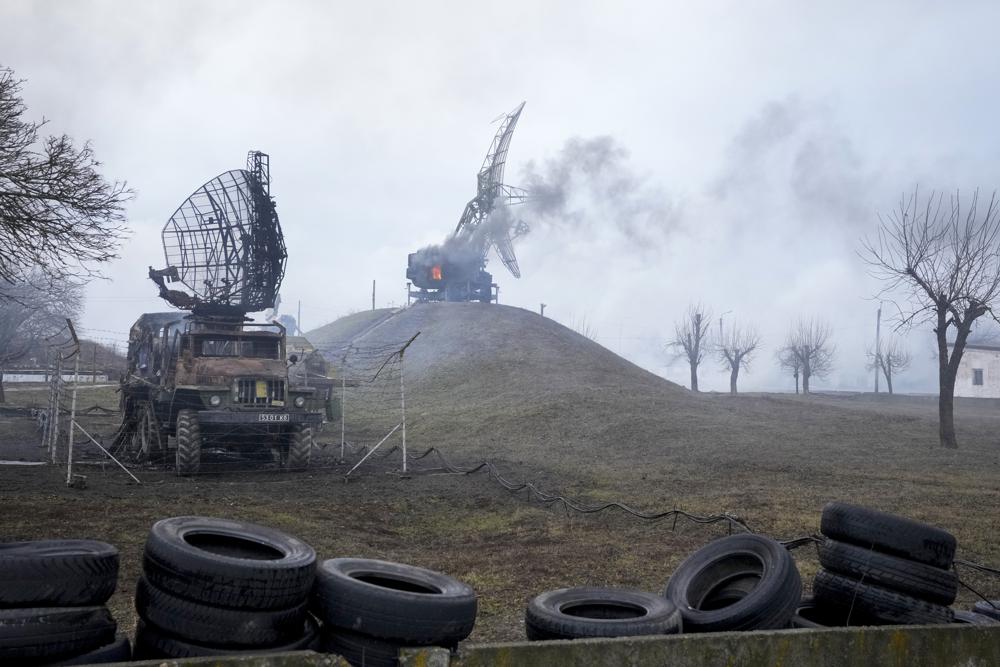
x=211, y=378
x=201, y=383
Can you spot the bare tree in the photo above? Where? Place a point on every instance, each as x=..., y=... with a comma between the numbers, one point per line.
x=809, y=344
x=56, y=211
x=29, y=314
x=735, y=350
x=945, y=262
x=690, y=340
x=788, y=361
x=890, y=359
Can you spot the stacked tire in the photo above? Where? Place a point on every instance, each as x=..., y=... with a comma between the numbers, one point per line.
x=578, y=613
x=370, y=609
x=52, y=596
x=739, y=582
x=881, y=569
x=221, y=587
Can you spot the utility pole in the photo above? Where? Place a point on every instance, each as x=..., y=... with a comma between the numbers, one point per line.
x=373, y=295
x=298, y=320
x=720, y=324
x=878, y=345
x=93, y=378
x=542, y=310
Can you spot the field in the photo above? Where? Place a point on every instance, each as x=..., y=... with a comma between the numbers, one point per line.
x=548, y=406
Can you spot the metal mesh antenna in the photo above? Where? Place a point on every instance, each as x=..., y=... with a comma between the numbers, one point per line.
x=225, y=245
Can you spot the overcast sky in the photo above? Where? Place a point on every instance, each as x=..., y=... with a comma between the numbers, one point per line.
x=756, y=143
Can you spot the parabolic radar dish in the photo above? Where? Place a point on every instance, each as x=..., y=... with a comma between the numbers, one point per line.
x=224, y=244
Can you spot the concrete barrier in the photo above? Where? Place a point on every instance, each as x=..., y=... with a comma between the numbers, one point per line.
x=887, y=646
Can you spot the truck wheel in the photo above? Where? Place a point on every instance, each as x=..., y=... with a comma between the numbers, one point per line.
x=188, y=442
x=300, y=445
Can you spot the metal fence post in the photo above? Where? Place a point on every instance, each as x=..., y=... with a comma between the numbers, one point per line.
x=343, y=401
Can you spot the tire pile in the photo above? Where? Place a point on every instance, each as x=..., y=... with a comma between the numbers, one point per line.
x=219, y=587
x=52, y=595
x=372, y=608
x=880, y=568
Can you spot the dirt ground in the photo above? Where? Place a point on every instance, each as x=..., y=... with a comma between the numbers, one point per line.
x=588, y=426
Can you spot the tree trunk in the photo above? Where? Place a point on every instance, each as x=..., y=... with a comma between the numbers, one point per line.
x=3, y=397
x=888, y=380
x=796, y=383
x=733, y=375
x=946, y=382
x=694, y=377
x=806, y=374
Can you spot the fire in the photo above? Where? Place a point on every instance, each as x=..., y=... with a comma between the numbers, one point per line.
x=436, y=272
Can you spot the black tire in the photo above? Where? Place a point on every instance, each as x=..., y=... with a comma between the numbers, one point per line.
x=361, y=650
x=888, y=533
x=119, y=650
x=991, y=609
x=972, y=618
x=811, y=614
x=217, y=626
x=53, y=632
x=152, y=643
x=576, y=613
x=188, y=436
x=228, y=563
x=866, y=604
x=394, y=601
x=922, y=581
x=706, y=587
x=57, y=573
x=300, y=446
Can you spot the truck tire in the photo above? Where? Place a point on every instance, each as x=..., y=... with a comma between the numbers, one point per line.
x=707, y=585
x=45, y=634
x=576, y=613
x=300, y=446
x=228, y=563
x=188, y=443
x=57, y=573
x=119, y=650
x=889, y=534
x=208, y=624
x=394, y=601
x=906, y=576
x=874, y=604
x=360, y=649
x=152, y=643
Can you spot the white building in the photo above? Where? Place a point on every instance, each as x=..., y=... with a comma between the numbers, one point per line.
x=979, y=372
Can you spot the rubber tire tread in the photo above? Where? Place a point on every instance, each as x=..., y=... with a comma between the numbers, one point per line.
x=770, y=605
x=188, y=435
x=119, y=650
x=173, y=565
x=151, y=643
x=360, y=650
x=972, y=618
x=32, y=634
x=920, y=580
x=544, y=620
x=216, y=626
x=869, y=603
x=57, y=573
x=342, y=601
x=300, y=446
x=889, y=533
x=991, y=609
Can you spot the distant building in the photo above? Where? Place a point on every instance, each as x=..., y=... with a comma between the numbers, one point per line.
x=979, y=372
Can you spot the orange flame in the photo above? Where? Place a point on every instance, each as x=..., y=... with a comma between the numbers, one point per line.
x=436, y=272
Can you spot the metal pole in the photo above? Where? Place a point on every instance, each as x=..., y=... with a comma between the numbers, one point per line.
x=54, y=417
x=878, y=345
x=373, y=295
x=72, y=421
x=343, y=400
x=402, y=401
x=48, y=414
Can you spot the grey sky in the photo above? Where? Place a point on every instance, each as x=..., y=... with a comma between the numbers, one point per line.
x=773, y=131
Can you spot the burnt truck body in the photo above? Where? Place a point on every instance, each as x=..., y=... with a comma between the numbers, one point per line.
x=198, y=383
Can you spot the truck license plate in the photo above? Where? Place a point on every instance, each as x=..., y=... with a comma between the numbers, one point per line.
x=272, y=417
